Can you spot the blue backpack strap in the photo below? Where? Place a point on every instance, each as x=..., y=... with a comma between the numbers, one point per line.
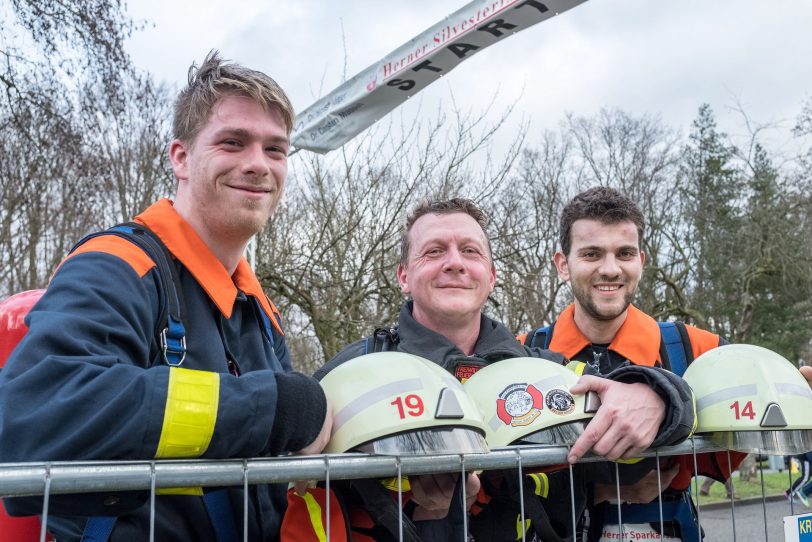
x=381, y=340
x=541, y=337
x=677, y=345
x=171, y=332
x=98, y=529
x=221, y=515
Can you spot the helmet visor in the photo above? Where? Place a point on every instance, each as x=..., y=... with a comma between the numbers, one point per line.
x=436, y=440
x=786, y=442
x=564, y=434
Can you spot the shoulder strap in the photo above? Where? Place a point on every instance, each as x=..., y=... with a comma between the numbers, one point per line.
x=541, y=337
x=171, y=331
x=675, y=347
x=382, y=339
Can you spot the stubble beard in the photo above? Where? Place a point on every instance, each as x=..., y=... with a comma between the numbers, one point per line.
x=586, y=301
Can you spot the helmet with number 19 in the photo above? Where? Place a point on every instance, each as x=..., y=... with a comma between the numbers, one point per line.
x=392, y=403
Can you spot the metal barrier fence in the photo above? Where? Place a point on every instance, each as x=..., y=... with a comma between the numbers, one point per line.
x=46, y=479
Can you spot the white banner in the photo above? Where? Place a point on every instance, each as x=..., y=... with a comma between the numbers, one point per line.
x=360, y=102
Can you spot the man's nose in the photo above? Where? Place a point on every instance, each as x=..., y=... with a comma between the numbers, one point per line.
x=453, y=260
x=255, y=160
x=609, y=266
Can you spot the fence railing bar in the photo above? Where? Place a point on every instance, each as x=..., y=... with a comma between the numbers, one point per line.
x=21, y=479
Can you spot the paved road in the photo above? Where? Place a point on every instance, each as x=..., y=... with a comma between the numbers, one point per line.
x=718, y=522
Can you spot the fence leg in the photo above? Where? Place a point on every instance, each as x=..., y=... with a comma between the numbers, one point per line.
x=327, y=492
x=400, y=500
x=732, y=505
x=697, y=495
x=572, y=504
x=245, y=500
x=152, y=501
x=521, y=491
x=660, y=495
x=464, y=504
x=620, y=529
x=43, y=530
x=763, y=497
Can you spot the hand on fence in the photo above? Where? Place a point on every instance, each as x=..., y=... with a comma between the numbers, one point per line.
x=316, y=446
x=433, y=494
x=806, y=370
x=626, y=423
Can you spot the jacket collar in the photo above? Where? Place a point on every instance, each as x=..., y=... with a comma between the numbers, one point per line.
x=495, y=342
x=186, y=245
x=637, y=340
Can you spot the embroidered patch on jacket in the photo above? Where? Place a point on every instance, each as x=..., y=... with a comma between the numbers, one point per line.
x=464, y=371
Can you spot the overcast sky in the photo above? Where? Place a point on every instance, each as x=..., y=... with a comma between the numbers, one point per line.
x=643, y=56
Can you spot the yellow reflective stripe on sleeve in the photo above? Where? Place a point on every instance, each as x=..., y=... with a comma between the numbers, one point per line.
x=194, y=491
x=190, y=413
x=576, y=367
x=314, y=511
x=630, y=461
x=519, y=531
x=392, y=483
x=542, y=488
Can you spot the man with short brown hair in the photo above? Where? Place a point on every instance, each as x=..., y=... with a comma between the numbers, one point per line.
x=94, y=368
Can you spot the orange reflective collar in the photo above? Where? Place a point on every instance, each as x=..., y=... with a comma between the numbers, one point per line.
x=184, y=243
x=637, y=340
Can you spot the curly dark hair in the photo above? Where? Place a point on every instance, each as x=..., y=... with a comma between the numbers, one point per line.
x=601, y=203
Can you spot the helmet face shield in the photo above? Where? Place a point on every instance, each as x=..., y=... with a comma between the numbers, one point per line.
x=750, y=399
x=435, y=440
x=558, y=435
x=400, y=404
x=766, y=442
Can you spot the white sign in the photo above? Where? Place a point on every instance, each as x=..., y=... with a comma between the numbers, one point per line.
x=363, y=100
x=798, y=528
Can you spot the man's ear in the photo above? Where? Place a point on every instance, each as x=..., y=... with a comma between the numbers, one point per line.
x=642, y=258
x=561, y=266
x=403, y=279
x=178, y=155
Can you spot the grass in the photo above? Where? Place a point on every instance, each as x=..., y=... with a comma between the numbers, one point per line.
x=775, y=483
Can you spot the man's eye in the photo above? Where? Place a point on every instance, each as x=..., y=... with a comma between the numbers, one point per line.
x=231, y=142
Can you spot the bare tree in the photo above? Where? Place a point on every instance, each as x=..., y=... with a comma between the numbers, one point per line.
x=328, y=257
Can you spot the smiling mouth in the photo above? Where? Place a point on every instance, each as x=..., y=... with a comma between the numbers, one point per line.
x=252, y=189
x=608, y=287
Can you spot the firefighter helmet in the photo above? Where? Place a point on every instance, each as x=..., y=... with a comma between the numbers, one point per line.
x=751, y=399
x=12, y=320
x=527, y=400
x=393, y=403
